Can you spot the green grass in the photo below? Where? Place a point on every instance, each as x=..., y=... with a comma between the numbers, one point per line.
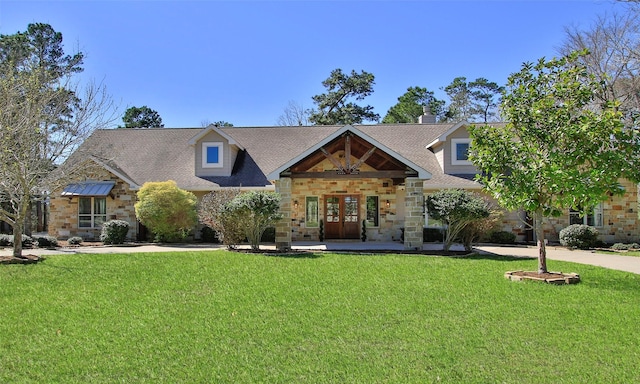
x=220, y=317
x=620, y=253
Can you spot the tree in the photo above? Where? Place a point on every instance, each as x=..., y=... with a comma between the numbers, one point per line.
x=259, y=210
x=213, y=212
x=456, y=208
x=472, y=101
x=459, y=107
x=334, y=107
x=410, y=106
x=143, y=117
x=168, y=211
x=294, y=115
x=556, y=152
x=44, y=116
x=484, y=99
x=220, y=123
x=614, y=45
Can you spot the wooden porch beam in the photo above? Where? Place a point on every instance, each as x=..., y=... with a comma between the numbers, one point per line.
x=373, y=174
x=333, y=160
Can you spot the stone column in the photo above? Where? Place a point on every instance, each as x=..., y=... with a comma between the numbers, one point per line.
x=413, y=218
x=283, y=227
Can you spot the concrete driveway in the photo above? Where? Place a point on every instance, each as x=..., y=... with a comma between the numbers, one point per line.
x=618, y=262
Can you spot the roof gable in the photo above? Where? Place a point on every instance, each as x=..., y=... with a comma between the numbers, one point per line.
x=443, y=137
x=275, y=174
x=212, y=128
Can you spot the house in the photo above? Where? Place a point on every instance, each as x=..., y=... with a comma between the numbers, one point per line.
x=331, y=179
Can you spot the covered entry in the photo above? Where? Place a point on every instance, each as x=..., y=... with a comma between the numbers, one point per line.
x=342, y=218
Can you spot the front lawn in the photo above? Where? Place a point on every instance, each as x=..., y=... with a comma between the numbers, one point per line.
x=221, y=317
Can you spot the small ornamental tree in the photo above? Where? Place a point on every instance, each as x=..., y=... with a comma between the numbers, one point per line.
x=456, y=208
x=559, y=149
x=258, y=211
x=213, y=213
x=168, y=211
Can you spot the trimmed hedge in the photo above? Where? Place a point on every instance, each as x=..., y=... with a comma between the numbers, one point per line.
x=502, y=237
x=7, y=241
x=76, y=240
x=46, y=241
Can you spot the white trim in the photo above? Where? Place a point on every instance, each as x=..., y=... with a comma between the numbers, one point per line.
x=209, y=144
x=454, y=151
x=194, y=140
x=442, y=138
x=422, y=173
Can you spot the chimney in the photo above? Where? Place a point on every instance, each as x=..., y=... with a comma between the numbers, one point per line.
x=427, y=117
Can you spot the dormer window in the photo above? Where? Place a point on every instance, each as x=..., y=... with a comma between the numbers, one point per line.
x=212, y=155
x=460, y=151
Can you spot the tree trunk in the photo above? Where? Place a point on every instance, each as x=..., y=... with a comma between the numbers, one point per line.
x=17, y=238
x=542, y=250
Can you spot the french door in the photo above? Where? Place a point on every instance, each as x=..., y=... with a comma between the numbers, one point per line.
x=342, y=218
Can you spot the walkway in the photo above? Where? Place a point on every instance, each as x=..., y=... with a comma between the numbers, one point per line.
x=618, y=262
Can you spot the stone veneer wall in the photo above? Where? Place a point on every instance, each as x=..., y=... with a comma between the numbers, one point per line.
x=63, y=218
x=389, y=223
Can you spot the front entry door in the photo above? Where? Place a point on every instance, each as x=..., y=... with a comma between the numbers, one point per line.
x=342, y=217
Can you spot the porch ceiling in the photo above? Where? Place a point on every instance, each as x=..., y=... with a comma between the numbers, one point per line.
x=358, y=147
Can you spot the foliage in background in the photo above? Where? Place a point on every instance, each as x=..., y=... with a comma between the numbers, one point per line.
x=410, y=106
x=472, y=101
x=113, y=232
x=142, y=117
x=334, y=106
x=557, y=151
x=168, y=211
x=456, y=208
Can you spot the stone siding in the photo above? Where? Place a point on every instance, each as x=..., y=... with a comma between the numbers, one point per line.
x=63, y=218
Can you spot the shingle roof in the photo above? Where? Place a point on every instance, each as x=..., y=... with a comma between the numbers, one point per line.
x=165, y=154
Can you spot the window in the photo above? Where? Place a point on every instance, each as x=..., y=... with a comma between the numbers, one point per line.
x=311, y=209
x=460, y=151
x=428, y=221
x=211, y=155
x=591, y=217
x=373, y=209
x=92, y=212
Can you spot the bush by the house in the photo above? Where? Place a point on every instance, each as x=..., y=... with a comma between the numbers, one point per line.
x=579, y=236
x=167, y=210
x=430, y=235
x=46, y=241
x=75, y=240
x=208, y=235
x=255, y=211
x=114, y=232
x=7, y=241
x=269, y=235
x=625, y=247
x=502, y=237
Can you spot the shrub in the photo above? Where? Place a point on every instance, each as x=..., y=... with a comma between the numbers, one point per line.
x=269, y=235
x=167, y=210
x=6, y=240
x=114, y=232
x=208, y=235
x=76, y=240
x=255, y=211
x=624, y=247
x=46, y=241
x=579, y=236
x=502, y=237
x=213, y=214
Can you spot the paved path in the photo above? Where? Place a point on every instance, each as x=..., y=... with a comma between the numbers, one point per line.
x=619, y=262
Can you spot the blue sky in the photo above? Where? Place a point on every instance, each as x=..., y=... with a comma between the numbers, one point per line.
x=243, y=61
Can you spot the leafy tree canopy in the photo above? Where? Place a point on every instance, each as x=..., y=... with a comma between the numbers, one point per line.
x=143, y=117
x=335, y=107
x=410, y=106
x=556, y=152
x=472, y=101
